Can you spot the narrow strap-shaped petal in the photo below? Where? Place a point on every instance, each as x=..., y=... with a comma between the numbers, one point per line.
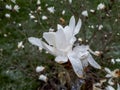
x=35, y=41
x=108, y=70
x=61, y=59
x=72, y=23
x=77, y=66
x=93, y=62
x=118, y=87
x=50, y=38
x=108, y=75
x=78, y=26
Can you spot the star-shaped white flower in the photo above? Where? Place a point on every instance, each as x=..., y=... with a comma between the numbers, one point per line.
x=82, y=53
x=60, y=44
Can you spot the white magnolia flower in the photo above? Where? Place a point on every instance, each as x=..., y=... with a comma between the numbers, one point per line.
x=51, y=9
x=39, y=68
x=70, y=1
x=32, y=16
x=101, y=6
x=60, y=44
x=85, y=13
x=100, y=27
x=38, y=2
x=20, y=44
x=14, y=1
x=7, y=15
x=113, y=61
x=82, y=53
x=112, y=74
x=63, y=12
x=43, y=78
x=92, y=11
x=117, y=60
x=44, y=17
x=16, y=8
x=9, y=7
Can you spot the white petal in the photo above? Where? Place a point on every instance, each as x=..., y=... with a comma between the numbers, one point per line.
x=72, y=23
x=78, y=26
x=49, y=48
x=50, y=38
x=109, y=88
x=43, y=78
x=60, y=39
x=110, y=81
x=84, y=63
x=35, y=41
x=68, y=32
x=59, y=27
x=39, y=68
x=118, y=87
x=61, y=59
x=93, y=62
x=108, y=70
x=77, y=66
x=108, y=75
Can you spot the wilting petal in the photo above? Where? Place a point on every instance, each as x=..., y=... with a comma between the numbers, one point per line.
x=108, y=70
x=61, y=59
x=72, y=23
x=78, y=26
x=50, y=38
x=35, y=41
x=93, y=62
x=77, y=66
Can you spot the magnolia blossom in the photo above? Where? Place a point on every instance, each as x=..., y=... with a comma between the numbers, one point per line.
x=7, y=15
x=112, y=74
x=70, y=1
x=43, y=78
x=38, y=2
x=9, y=7
x=60, y=44
x=82, y=53
x=44, y=17
x=16, y=8
x=51, y=9
x=85, y=13
x=20, y=44
x=101, y=6
x=39, y=68
x=14, y=1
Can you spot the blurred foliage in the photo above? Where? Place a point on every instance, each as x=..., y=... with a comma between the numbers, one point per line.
x=17, y=65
